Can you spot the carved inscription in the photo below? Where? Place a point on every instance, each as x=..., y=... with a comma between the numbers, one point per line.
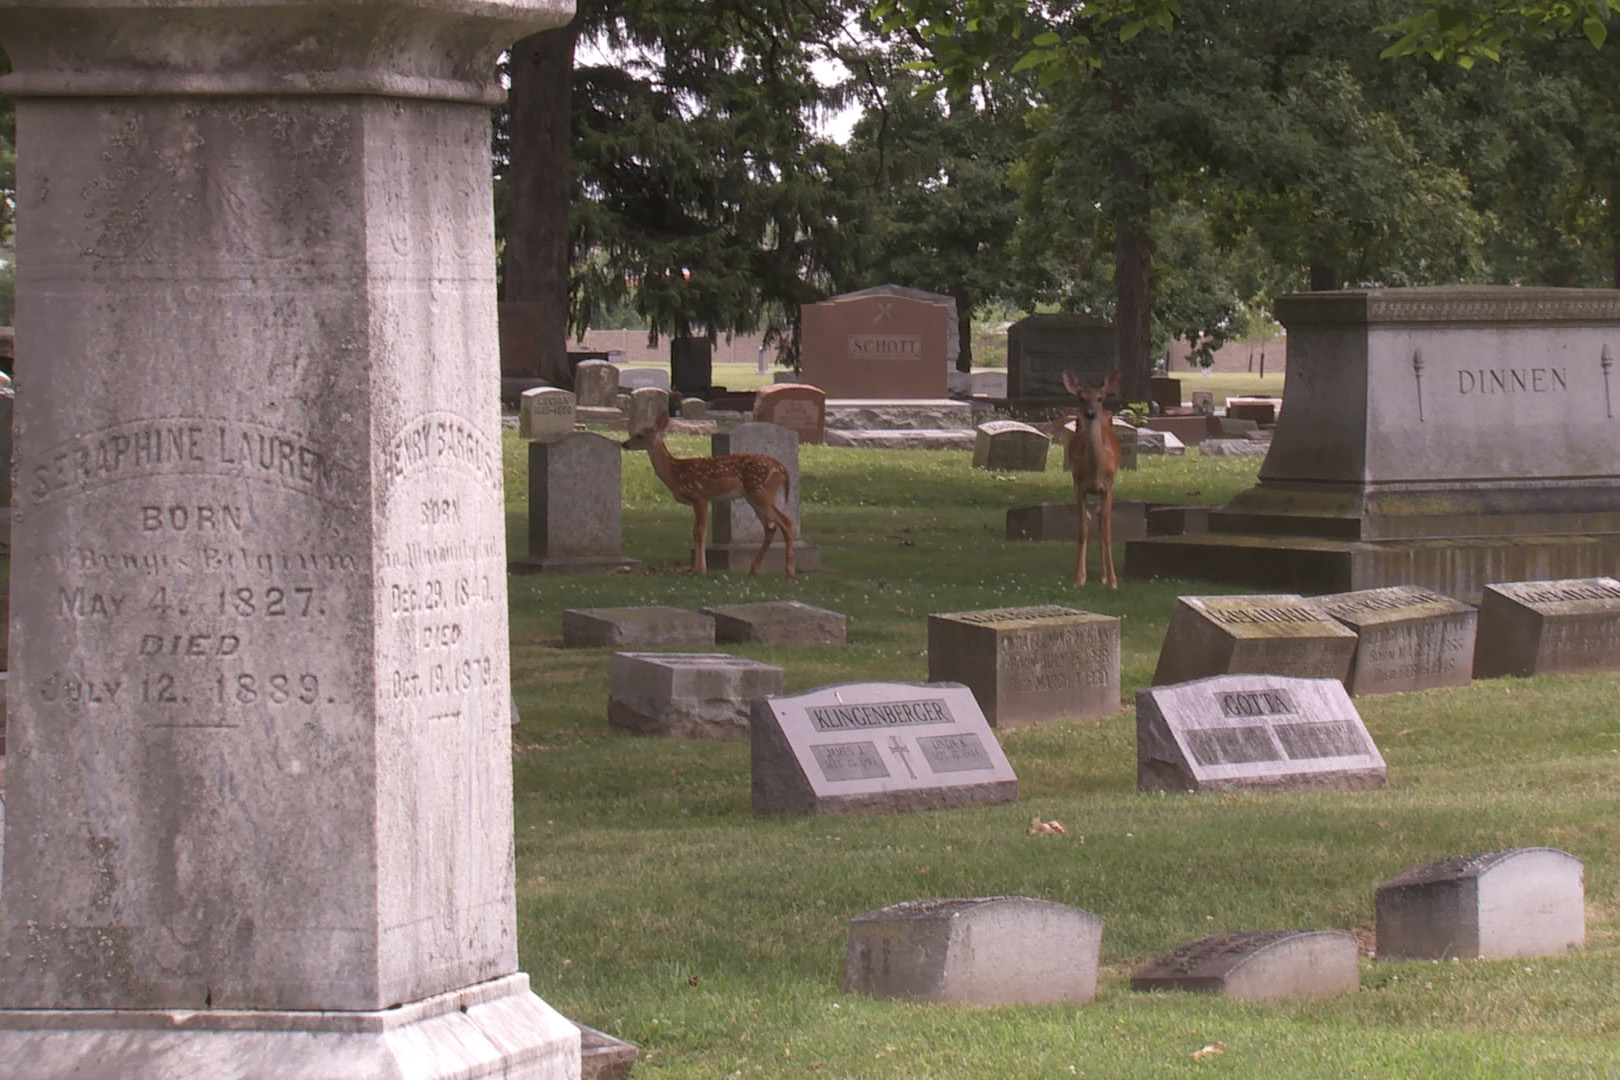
x=1014, y=614
x=1336, y=738
x=1237, y=616
x=1255, y=703
x=1564, y=592
x=1528, y=380
x=1232, y=745
x=884, y=347
x=887, y=714
x=850, y=761
x=955, y=753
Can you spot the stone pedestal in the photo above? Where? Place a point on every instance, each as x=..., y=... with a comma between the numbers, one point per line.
x=1441, y=437
x=260, y=817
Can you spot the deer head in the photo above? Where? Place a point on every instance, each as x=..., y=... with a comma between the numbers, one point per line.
x=1091, y=397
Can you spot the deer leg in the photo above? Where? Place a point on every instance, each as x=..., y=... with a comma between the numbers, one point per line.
x=1080, y=562
x=700, y=535
x=1105, y=516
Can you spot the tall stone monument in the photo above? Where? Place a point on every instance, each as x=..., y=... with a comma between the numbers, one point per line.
x=260, y=816
x=1443, y=437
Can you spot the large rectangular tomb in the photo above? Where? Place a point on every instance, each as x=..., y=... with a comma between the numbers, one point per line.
x=874, y=748
x=1445, y=437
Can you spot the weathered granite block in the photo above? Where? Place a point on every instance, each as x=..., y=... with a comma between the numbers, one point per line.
x=647, y=404
x=1029, y=664
x=596, y=384
x=575, y=500
x=1252, y=731
x=586, y=628
x=1000, y=950
x=873, y=748
x=1407, y=638
x=1258, y=965
x=1060, y=521
x=545, y=414
x=1011, y=446
x=777, y=622
x=687, y=695
x=1540, y=627
x=1280, y=634
x=735, y=531
x=1518, y=902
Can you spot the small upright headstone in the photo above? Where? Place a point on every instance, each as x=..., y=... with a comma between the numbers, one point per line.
x=1258, y=965
x=1165, y=392
x=1260, y=410
x=1203, y=402
x=694, y=408
x=647, y=404
x=777, y=622
x=876, y=748
x=687, y=695
x=1407, y=638
x=997, y=950
x=586, y=628
x=596, y=384
x=1518, y=902
x=735, y=532
x=545, y=414
x=1539, y=627
x=1130, y=441
x=1279, y=634
x=574, y=507
x=1029, y=664
x=691, y=364
x=634, y=378
x=1010, y=445
x=799, y=407
x=1253, y=731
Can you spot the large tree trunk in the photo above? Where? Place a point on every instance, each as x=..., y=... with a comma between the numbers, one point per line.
x=539, y=182
x=1324, y=277
x=1133, y=278
x=964, y=330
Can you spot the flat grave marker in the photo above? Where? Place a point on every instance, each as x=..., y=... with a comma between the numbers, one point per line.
x=585, y=628
x=998, y=950
x=1277, y=634
x=1258, y=965
x=1060, y=521
x=1253, y=731
x=1517, y=902
x=777, y=622
x=687, y=695
x=1029, y=664
x=874, y=748
x=1407, y=638
x=1540, y=627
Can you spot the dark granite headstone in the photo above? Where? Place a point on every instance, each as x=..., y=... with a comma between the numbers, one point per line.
x=874, y=748
x=1040, y=348
x=691, y=364
x=1252, y=731
x=1258, y=965
x=1519, y=902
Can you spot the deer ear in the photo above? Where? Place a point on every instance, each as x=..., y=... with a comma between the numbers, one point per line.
x=1111, y=383
x=1070, y=383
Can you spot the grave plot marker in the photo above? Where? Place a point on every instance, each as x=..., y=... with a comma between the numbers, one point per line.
x=1517, y=902
x=1541, y=627
x=1407, y=638
x=1258, y=965
x=1029, y=664
x=1280, y=634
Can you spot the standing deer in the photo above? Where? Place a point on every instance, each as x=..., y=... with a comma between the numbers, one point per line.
x=696, y=482
x=1092, y=455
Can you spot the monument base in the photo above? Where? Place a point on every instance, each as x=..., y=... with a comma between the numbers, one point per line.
x=739, y=557
x=494, y=1029
x=590, y=564
x=1457, y=567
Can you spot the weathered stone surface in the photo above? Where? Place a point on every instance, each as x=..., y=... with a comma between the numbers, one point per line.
x=1258, y=965
x=596, y=383
x=694, y=409
x=1252, y=731
x=546, y=414
x=1150, y=441
x=874, y=748
x=777, y=622
x=1011, y=446
x=603, y=1056
x=901, y=439
x=1261, y=410
x=998, y=950
x=264, y=825
x=1230, y=447
x=1191, y=430
x=988, y=384
x=1061, y=521
x=1165, y=392
x=1278, y=634
x=585, y=628
x=1177, y=520
x=1040, y=348
x=1518, y=902
x=687, y=695
x=637, y=378
x=1444, y=437
x=1540, y=627
x=1407, y=638
x=876, y=346
x=574, y=507
x=1029, y=664
x=735, y=531
x=799, y=407
x=887, y=414
x=647, y=404
x=1203, y=402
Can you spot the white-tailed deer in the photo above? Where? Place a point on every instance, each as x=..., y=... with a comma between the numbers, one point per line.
x=697, y=482
x=1092, y=455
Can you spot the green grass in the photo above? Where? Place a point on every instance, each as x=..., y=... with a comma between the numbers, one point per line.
x=652, y=904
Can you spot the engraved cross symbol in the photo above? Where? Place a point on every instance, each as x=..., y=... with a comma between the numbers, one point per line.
x=885, y=310
x=899, y=749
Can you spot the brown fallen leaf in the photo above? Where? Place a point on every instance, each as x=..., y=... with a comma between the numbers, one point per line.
x=1208, y=1052
x=1037, y=827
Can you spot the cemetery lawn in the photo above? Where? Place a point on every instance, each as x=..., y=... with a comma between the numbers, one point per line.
x=654, y=905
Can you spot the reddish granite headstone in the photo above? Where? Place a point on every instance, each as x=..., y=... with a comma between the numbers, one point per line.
x=799, y=407
x=875, y=347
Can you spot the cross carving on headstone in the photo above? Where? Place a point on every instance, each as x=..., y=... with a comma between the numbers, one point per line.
x=898, y=747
